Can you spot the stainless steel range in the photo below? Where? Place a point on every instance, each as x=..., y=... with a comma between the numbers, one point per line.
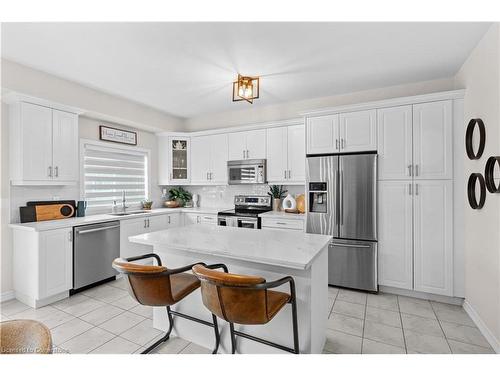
x=246, y=211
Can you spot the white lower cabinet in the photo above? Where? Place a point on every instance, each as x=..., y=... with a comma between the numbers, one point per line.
x=433, y=237
x=415, y=235
x=395, y=234
x=133, y=227
x=42, y=265
x=56, y=262
x=192, y=218
x=282, y=224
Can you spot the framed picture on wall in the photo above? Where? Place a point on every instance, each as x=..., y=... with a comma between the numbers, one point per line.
x=109, y=134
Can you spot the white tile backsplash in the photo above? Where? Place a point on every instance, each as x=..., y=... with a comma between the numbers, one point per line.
x=223, y=196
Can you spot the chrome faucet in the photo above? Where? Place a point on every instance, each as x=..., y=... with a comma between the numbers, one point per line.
x=124, y=207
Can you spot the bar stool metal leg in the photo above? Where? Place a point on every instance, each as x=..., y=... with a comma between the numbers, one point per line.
x=217, y=334
x=233, y=338
x=167, y=335
x=295, y=326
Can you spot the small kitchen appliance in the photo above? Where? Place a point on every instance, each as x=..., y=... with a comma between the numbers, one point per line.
x=241, y=172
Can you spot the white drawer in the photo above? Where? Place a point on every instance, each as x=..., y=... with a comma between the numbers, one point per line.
x=283, y=224
x=208, y=219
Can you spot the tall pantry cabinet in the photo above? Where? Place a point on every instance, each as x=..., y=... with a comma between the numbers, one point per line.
x=415, y=211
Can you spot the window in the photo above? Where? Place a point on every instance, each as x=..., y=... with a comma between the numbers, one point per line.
x=110, y=171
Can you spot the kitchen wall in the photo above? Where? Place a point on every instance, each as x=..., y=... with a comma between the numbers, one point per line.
x=255, y=113
x=5, y=238
x=97, y=104
x=222, y=196
x=480, y=75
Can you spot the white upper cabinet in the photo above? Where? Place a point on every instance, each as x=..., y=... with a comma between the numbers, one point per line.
x=395, y=234
x=209, y=160
x=323, y=134
x=433, y=232
x=65, y=142
x=358, y=131
x=277, y=154
x=432, y=140
x=200, y=159
x=247, y=145
x=174, y=161
x=286, y=154
x=218, y=159
x=36, y=143
x=296, y=154
x=345, y=132
x=395, y=143
x=44, y=145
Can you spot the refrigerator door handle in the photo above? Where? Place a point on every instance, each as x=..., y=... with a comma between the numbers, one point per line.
x=347, y=245
x=341, y=195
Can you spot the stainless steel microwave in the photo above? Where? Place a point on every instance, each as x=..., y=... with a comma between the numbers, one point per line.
x=246, y=171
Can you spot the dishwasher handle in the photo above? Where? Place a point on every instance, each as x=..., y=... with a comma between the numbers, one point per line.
x=97, y=229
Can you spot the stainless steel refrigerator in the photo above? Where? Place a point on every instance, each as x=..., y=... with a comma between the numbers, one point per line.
x=342, y=202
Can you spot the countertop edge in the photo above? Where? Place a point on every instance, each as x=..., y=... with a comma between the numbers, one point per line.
x=102, y=218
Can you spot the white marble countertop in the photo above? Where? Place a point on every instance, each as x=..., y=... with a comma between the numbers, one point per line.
x=282, y=215
x=283, y=249
x=92, y=219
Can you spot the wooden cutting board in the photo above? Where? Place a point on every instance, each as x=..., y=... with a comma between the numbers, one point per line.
x=53, y=211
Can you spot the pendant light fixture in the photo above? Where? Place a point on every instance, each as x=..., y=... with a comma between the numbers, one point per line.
x=246, y=88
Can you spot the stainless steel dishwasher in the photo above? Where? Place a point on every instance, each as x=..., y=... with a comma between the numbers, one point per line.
x=95, y=246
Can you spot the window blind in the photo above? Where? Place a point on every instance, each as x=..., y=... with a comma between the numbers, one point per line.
x=108, y=172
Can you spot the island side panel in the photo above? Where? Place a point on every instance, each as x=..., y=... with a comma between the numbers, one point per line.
x=319, y=301
x=279, y=330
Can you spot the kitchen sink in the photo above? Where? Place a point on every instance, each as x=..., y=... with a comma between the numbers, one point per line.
x=126, y=213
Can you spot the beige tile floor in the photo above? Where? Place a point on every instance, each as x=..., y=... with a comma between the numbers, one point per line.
x=106, y=319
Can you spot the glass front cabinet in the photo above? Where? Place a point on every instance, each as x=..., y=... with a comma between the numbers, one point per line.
x=174, y=160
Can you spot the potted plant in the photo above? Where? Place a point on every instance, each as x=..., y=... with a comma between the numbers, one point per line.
x=277, y=192
x=177, y=197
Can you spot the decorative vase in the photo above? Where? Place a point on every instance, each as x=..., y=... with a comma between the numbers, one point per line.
x=276, y=204
x=289, y=203
x=301, y=203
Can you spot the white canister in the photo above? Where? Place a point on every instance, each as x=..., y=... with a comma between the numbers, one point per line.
x=289, y=203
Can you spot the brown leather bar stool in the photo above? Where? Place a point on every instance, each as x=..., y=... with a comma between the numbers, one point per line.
x=24, y=337
x=152, y=285
x=246, y=300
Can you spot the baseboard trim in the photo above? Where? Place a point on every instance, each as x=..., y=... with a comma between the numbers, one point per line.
x=7, y=296
x=490, y=337
x=422, y=295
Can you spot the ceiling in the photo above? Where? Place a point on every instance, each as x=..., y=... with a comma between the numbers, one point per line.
x=187, y=69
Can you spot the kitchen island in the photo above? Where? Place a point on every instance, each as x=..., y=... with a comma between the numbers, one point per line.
x=270, y=254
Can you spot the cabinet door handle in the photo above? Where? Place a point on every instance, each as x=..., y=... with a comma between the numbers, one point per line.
x=410, y=189
x=336, y=144
x=248, y=154
x=207, y=175
x=243, y=154
x=343, y=142
x=56, y=171
x=50, y=172
x=410, y=170
x=148, y=223
x=70, y=236
x=416, y=170
x=416, y=189
x=169, y=219
x=289, y=174
x=211, y=176
x=285, y=174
